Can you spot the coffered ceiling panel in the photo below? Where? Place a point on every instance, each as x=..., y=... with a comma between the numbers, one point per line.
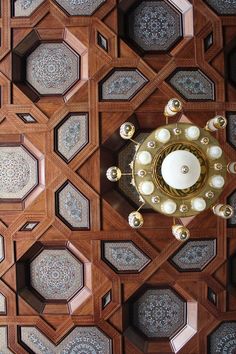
x=74, y=277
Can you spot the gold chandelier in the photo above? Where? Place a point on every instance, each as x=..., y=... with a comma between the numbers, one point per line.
x=179, y=170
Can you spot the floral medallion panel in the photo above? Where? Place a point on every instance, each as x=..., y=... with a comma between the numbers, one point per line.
x=3, y=341
x=71, y=135
x=122, y=85
x=2, y=253
x=3, y=306
x=72, y=207
x=26, y=7
x=223, y=7
x=232, y=202
x=154, y=25
x=89, y=340
x=223, y=339
x=18, y=172
x=124, y=256
x=231, y=129
x=125, y=157
x=193, y=85
x=195, y=255
x=159, y=313
x=56, y=274
x=52, y=68
x=80, y=7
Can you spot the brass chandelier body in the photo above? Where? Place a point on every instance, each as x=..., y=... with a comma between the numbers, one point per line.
x=179, y=170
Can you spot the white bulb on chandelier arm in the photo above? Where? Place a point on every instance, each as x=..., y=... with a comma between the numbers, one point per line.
x=192, y=133
x=214, y=152
x=169, y=207
x=144, y=158
x=198, y=204
x=146, y=187
x=162, y=135
x=217, y=182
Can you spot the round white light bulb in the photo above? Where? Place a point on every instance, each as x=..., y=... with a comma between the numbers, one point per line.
x=146, y=187
x=169, y=207
x=145, y=158
x=180, y=169
x=214, y=152
x=192, y=133
x=217, y=182
x=162, y=135
x=198, y=204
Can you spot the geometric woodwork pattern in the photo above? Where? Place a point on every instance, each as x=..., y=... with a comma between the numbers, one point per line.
x=80, y=340
x=231, y=129
x=159, y=313
x=208, y=41
x=106, y=299
x=154, y=25
x=71, y=135
x=2, y=304
x=232, y=202
x=3, y=341
x=122, y=84
x=192, y=85
x=223, y=7
x=195, y=255
x=107, y=296
x=27, y=118
x=2, y=253
x=125, y=157
x=102, y=42
x=26, y=7
x=223, y=339
x=29, y=226
x=211, y=295
x=52, y=68
x=72, y=207
x=124, y=256
x=80, y=7
x=56, y=274
x=18, y=172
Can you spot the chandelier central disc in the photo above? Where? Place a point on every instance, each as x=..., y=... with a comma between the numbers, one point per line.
x=181, y=169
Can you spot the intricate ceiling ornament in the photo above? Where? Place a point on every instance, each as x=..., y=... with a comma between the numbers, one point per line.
x=52, y=68
x=56, y=274
x=159, y=313
x=18, y=172
x=80, y=7
x=179, y=170
x=80, y=340
x=155, y=25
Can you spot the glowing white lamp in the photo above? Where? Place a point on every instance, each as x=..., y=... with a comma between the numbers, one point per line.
x=192, y=133
x=169, y=207
x=214, y=152
x=162, y=135
x=198, y=204
x=146, y=187
x=217, y=182
x=144, y=158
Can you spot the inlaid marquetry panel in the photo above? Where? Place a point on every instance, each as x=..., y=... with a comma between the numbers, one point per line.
x=159, y=313
x=122, y=84
x=81, y=339
x=192, y=85
x=52, y=68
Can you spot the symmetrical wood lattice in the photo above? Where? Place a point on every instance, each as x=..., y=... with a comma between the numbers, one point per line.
x=70, y=74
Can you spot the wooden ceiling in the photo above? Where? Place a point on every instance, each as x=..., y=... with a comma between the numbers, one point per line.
x=74, y=276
